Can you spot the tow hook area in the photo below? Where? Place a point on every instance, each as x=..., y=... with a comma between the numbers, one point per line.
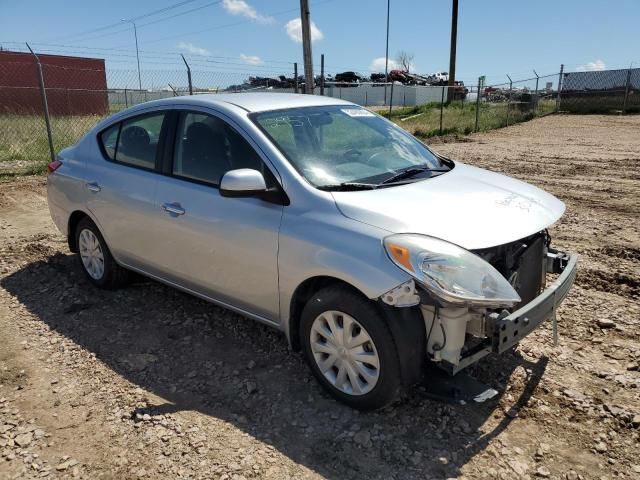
x=460, y=389
x=403, y=295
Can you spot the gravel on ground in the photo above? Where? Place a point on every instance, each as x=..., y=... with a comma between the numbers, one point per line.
x=147, y=382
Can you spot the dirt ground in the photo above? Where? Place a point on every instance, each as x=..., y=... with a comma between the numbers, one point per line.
x=147, y=382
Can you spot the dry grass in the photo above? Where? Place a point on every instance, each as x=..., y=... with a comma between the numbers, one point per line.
x=23, y=140
x=460, y=119
x=24, y=148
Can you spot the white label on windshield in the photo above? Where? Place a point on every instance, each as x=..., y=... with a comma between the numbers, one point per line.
x=357, y=112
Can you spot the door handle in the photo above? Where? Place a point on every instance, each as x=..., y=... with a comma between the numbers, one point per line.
x=173, y=208
x=93, y=187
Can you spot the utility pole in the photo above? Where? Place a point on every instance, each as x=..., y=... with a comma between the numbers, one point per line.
x=386, y=56
x=135, y=34
x=452, y=53
x=306, y=47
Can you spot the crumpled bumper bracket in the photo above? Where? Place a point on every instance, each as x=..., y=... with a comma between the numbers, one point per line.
x=509, y=329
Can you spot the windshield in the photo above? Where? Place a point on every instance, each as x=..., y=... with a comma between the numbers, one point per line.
x=347, y=144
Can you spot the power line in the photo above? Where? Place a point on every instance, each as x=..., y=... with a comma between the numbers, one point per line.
x=139, y=17
x=79, y=49
x=122, y=47
x=218, y=27
x=181, y=13
x=153, y=22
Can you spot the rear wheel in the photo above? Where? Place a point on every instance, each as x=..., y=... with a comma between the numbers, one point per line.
x=96, y=259
x=350, y=349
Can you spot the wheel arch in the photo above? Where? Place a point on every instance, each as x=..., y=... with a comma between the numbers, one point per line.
x=302, y=294
x=74, y=219
x=405, y=324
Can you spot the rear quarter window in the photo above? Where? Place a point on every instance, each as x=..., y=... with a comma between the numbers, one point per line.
x=109, y=140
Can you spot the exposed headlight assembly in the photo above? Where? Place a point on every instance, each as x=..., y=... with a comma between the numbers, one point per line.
x=452, y=274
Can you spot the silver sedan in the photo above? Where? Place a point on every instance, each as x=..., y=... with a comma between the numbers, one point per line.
x=373, y=254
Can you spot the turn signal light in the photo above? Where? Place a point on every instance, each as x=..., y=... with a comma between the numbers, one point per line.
x=401, y=255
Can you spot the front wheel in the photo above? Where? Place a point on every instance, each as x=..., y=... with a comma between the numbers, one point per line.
x=350, y=349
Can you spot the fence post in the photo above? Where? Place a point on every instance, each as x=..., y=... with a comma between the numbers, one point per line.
x=478, y=105
x=126, y=100
x=45, y=104
x=295, y=77
x=559, y=87
x=509, y=99
x=391, y=100
x=188, y=74
x=441, y=106
x=322, y=74
x=626, y=91
x=535, y=95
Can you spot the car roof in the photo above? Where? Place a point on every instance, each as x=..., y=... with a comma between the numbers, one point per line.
x=259, y=102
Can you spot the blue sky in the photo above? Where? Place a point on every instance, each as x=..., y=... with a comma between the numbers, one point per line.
x=495, y=37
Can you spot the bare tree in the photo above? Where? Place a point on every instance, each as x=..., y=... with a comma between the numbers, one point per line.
x=405, y=59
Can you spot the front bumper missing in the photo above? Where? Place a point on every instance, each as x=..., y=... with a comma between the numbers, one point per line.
x=507, y=329
x=511, y=328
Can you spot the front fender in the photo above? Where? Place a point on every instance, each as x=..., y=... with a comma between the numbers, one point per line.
x=325, y=245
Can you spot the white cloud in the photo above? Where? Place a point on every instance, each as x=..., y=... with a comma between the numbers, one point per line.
x=294, y=30
x=251, y=59
x=242, y=8
x=592, y=66
x=191, y=48
x=377, y=64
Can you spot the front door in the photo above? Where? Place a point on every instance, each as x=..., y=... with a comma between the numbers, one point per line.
x=225, y=248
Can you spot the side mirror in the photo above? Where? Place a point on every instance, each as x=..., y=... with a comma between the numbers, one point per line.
x=243, y=182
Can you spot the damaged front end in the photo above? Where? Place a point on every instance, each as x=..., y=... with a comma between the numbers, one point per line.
x=468, y=311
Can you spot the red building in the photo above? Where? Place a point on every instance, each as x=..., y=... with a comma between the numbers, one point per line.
x=74, y=85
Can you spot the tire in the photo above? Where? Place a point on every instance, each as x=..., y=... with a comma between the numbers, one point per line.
x=363, y=384
x=95, y=259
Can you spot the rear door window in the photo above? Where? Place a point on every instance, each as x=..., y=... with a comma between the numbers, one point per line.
x=134, y=141
x=138, y=142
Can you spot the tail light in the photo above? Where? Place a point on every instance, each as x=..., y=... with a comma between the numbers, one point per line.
x=53, y=166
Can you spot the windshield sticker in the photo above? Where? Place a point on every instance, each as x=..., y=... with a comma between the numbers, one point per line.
x=285, y=120
x=357, y=112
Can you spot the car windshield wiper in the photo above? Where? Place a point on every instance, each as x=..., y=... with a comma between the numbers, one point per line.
x=410, y=172
x=347, y=186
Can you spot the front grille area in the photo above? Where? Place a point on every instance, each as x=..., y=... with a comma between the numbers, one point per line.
x=521, y=263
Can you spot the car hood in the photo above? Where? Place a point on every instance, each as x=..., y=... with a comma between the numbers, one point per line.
x=468, y=206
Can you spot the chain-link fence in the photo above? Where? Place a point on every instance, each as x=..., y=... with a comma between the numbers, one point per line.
x=604, y=91
x=463, y=109
x=79, y=92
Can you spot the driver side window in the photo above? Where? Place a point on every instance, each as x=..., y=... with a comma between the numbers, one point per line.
x=207, y=147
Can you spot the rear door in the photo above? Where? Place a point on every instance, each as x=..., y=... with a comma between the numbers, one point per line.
x=224, y=248
x=121, y=187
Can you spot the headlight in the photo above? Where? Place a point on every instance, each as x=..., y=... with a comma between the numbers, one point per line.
x=452, y=274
